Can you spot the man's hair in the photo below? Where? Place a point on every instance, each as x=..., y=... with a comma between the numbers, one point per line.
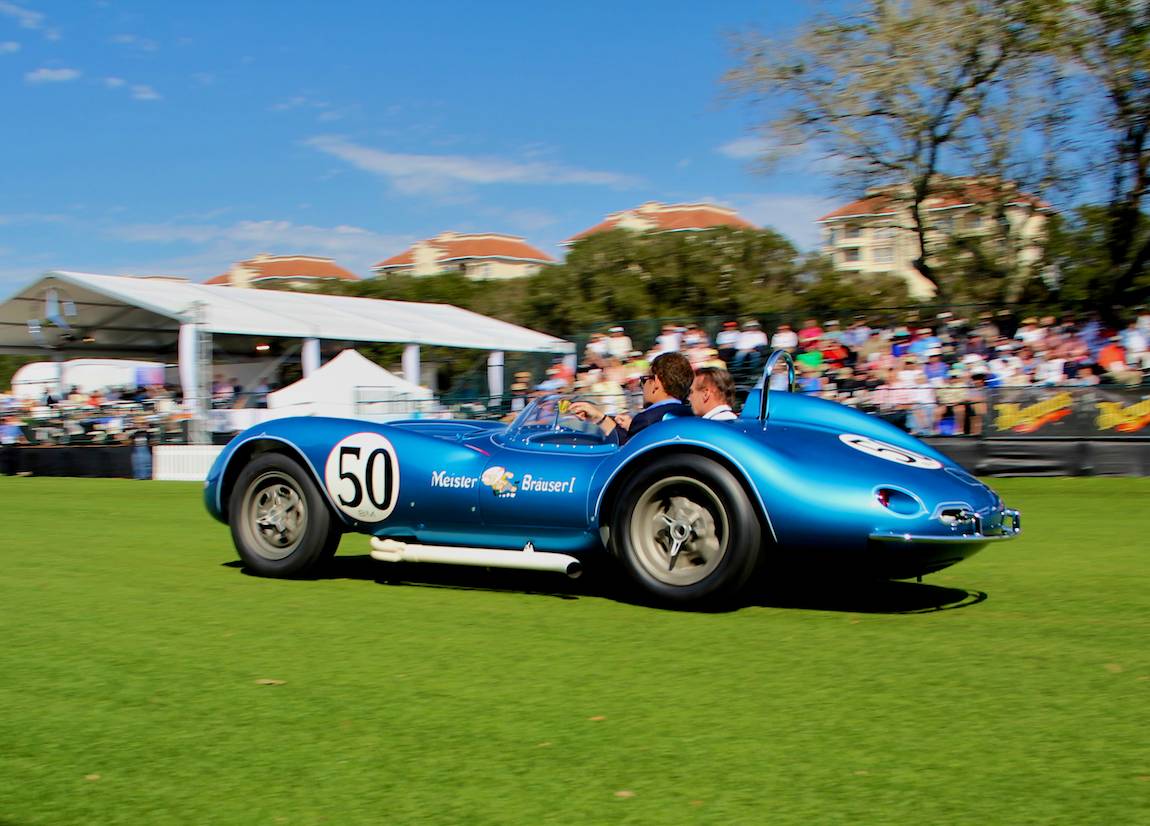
x=720, y=380
x=674, y=372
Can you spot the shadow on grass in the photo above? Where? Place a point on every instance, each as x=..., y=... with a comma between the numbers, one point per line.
x=603, y=579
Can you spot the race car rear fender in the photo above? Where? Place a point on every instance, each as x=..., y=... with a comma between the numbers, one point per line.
x=608, y=496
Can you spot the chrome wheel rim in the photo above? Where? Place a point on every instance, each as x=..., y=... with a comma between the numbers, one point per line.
x=276, y=515
x=679, y=531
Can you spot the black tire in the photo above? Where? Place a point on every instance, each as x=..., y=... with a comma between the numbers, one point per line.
x=280, y=523
x=699, y=502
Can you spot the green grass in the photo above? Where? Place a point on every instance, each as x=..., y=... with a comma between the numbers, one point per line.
x=132, y=648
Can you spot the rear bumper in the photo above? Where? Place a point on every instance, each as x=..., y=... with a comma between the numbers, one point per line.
x=895, y=555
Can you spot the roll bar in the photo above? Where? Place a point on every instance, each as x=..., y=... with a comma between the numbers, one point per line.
x=767, y=371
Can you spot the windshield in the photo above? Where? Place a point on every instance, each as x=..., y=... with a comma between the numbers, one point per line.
x=549, y=414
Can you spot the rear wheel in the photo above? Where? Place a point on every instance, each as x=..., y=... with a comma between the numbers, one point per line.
x=685, y=530
x=280, y=523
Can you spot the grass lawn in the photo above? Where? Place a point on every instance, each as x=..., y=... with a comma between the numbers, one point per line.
x=136, y=658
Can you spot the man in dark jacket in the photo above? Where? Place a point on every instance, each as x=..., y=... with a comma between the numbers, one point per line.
x=665, y=390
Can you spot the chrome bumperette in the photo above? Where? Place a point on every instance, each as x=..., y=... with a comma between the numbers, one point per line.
x=971, y=524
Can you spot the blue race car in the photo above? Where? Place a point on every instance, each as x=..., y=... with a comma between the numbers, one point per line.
x=690, y=507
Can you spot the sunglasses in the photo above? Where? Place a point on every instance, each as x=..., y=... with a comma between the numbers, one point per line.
x=644, y=379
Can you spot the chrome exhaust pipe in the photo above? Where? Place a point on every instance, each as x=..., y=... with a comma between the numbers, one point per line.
x=390, y=550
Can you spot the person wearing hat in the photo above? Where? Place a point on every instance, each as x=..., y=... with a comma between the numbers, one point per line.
x=668, y=340
x=618, y=343
x=750, y=347
x=726, y=339
x=810, y=334
x=785, y=338
x=1030, y=333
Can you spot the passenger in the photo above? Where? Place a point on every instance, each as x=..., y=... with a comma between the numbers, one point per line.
x=665, y=390
x=712, y=394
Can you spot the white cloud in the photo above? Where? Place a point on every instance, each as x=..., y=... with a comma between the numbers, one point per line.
x=143, y=44
x=114, y=82
x=30, y=218
x=804, y=159
x=141, y=91
x=354, y=247
x=9, y=47
x=26, y=18
x=792, y=215
x=742, y=149
x=435, y=174
x=52, y=75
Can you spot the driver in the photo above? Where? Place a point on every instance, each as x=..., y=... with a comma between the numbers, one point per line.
x=665, y=390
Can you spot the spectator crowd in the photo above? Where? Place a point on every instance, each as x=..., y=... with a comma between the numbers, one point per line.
x=929, y=377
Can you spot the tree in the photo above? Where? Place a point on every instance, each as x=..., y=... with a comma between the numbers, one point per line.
x=897, y=91
x=621, y=274
x=1110, y=40
x=1080, y=250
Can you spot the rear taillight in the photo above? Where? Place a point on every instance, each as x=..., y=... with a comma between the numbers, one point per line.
x=899, y=501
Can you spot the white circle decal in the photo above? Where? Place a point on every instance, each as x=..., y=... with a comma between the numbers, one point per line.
x=362, y=476
x=882, y=450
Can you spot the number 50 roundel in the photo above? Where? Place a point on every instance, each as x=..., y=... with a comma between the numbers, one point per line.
x=362, y=476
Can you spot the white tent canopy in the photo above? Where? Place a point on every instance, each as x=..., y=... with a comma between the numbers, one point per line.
x=347, y=386
x=129, y=314
x=72, y=314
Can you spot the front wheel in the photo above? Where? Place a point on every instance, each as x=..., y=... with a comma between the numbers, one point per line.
x=685, y=530
x=280, y=523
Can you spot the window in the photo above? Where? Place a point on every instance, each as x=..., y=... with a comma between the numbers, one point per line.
x=851, y=255
x=833, y=236
x=973, y=221
x=884, y=233
x=852, y=232
x=883, y=254
x=945, y=225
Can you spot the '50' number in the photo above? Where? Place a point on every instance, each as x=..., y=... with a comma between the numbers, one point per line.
x=362, y=476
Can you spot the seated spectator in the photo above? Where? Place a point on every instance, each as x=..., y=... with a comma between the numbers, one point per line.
x=618, y=343
x=596, y=349
x=1112, y=359
x=810, y=334
x=835, y=355
x=712, y=394
x=785, y=338
x=810, y=358
x=1137, y=346
x=750, y=347
x=669, y=339
x=857, y=334
x=952, y=402
x=726, y=340
x=935, y=368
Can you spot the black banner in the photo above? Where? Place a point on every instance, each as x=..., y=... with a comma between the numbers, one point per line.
x=1097, y=412
x=70, y=460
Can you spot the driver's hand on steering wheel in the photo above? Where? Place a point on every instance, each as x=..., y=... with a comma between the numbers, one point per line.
x=585, y=411
x=591, y=413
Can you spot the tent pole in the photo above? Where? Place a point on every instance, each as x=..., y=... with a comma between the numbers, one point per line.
x=411, y=366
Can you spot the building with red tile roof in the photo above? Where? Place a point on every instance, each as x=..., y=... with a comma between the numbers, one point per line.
x=874, y=235
x=479, y=256
x=658, y=217
x=301, y=272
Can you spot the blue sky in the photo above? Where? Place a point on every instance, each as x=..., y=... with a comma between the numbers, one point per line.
x=153, y=137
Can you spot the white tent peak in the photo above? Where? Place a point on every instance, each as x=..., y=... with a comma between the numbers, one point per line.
x=351, y=385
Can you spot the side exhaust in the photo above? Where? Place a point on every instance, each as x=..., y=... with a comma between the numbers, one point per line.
x=390, y=550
